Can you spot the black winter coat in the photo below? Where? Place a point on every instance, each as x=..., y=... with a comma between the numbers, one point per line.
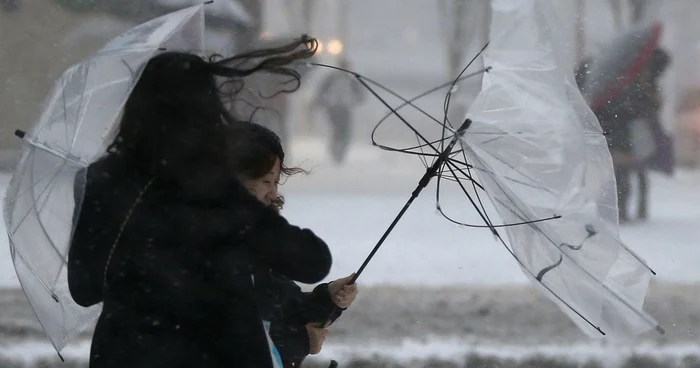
x=288, y=309
x=178, y=290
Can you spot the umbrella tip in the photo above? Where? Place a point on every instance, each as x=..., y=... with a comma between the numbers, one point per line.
x=660, y=330
x=209, y=2
x=465, y=125
x=20, y=133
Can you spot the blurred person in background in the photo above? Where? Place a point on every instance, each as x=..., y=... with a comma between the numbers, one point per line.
x=632, y=124
x=646, y=129
x=337, y=95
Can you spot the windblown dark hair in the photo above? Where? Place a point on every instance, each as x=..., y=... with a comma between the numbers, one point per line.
x=173, y=119
x=251, y=152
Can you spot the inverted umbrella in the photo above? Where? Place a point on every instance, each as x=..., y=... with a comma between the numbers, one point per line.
x=81, y=114
x=530, y=142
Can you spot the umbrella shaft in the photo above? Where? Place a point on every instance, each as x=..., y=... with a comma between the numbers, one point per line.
x=429, y=174
x=387, y=232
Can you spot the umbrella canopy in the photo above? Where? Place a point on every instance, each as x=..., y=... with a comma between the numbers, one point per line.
x=619, y=64
x=540, y=153
x=77, y=124
x=532, y=144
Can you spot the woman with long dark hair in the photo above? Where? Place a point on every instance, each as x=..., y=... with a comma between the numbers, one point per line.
x=168, y=238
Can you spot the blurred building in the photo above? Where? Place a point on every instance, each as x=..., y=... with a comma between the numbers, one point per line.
x=32, y=33
x=41, y=38
x=398, y=42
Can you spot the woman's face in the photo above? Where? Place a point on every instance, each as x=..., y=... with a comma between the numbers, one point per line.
x=265, y=187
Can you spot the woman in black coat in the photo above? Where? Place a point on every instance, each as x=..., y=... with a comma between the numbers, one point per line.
x=168, y=239
x=296, y=320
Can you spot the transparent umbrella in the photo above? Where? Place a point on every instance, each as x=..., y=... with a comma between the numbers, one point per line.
x=530, y=143
x=75, y=127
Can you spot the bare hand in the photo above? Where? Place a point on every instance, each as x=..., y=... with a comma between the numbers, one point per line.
x=342, y=292
x=317, y=336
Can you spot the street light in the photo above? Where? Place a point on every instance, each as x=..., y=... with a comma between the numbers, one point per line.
x=335, y=47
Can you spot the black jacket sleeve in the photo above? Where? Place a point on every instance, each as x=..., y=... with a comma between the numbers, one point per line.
x=94, y=232
x=288, y=330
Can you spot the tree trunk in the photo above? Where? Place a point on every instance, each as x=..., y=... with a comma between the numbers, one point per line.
x=466, y=31
x=245, y=39
x=580, y=29
x=639, y=8
x=616, y=9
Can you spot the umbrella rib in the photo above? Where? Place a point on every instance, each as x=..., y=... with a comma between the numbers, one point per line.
x=36, y=314
x=43, y=228
x=19, y=251
x=514, y=180
x=409, y=102
x=80, y=119
x=34, y=201
x=549, y=289
x=585, y=271
x=363, y=80
x=448, y=95
x=81, y=100
x=490, y=223
x=467, y=175
x=541, y=187
x=582, y=269
x=91, y=92
x=535, y=184
x=476, y=192
x=573, y=261
x=522, y=266
x=422, y=145
x=394, y=111
x=48, y=289
x=28, y=189
x=483, y=216
x=392, y=149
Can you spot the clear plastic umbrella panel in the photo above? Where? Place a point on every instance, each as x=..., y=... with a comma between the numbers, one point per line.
x=75, y=127
x=530, y=142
